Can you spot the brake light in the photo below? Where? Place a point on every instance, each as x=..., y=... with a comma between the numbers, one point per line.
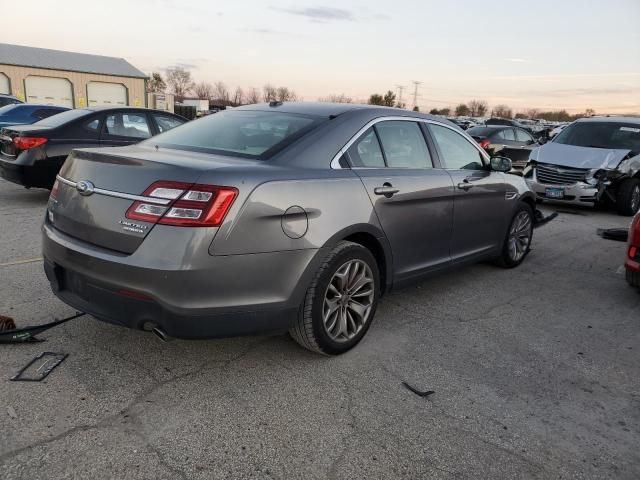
x=26, y=143
x=54, y=189
x=484, y=143
x=191, y=205
x=633, y=252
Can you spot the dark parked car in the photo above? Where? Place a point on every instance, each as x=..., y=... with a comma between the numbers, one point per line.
x=26, y=113
x=277, y=217
x=512, y=142
x=8, y=100
x=31, y=155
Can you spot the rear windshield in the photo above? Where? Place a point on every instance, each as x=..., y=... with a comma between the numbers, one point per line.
x=62, y=118
x=244, y=133
x=7, y=108
x=619, y=135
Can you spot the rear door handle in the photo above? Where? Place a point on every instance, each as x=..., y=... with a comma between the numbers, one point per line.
x=387, y=190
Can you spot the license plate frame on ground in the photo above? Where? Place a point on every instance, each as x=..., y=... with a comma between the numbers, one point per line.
x=554, y=193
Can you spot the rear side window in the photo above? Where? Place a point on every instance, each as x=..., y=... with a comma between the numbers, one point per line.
x=166, y=123
x=131, y=125
x=241, y=132
x=456, y=151
x=366, y=151
x=403, y=144
x=507, y=134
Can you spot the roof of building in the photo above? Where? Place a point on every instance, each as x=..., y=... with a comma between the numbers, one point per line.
x=59, y=60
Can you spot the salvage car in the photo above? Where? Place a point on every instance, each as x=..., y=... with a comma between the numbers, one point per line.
x=27, y=113
x=592, y=161
x=8, y=100
x=514, y=143
x=632, y=262
x=31, y=155
x=277, y=217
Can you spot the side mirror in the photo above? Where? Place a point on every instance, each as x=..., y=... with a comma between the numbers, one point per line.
x=501, y=164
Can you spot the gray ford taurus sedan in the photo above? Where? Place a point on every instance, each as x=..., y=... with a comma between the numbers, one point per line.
x=277, y=217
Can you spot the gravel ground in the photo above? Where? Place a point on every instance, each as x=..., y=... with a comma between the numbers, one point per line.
x=536, y=373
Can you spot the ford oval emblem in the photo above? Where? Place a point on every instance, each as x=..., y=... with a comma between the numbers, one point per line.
x=85, y=188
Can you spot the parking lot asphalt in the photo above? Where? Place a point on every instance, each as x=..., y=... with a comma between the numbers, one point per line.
x=536, y=373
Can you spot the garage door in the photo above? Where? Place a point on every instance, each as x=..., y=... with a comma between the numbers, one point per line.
x=103, y=93
x=49, y=90
x=4, y=84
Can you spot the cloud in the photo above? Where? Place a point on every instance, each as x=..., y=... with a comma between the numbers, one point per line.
x=517, y=60
x=320, y=14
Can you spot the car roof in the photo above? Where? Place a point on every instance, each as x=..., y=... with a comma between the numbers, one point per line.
x=635, y=120
x=36, y=105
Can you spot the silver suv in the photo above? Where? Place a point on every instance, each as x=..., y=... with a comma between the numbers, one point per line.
x=593, y=160
x=277, y=217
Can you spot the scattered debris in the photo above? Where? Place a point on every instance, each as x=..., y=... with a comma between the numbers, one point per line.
x=28, y=334
x=11, y=412
x=420, y=393
x=539, y=218
x=38, y=368
x=616, y=234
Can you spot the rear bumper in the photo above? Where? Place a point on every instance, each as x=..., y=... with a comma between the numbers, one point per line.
x=632, y=265
x=41, y=174
x=218, y=297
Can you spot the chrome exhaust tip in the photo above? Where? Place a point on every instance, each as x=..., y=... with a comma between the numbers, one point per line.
x=161, y=334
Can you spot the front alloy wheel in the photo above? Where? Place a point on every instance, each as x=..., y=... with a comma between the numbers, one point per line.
x=517, y=243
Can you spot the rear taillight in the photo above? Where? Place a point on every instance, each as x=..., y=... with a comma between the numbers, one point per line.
x=633, y=252
x=54, y=189
x=192, y=205
x=484, y=143
x=25, y=143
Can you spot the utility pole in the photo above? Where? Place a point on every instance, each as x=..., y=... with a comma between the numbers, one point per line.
x=415, y=93
x=400, y=89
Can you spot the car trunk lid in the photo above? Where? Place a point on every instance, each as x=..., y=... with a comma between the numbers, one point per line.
x=96, y=188
x=8, y=135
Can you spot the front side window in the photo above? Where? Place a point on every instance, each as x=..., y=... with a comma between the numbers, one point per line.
x=131, y=125
x=245, y=133
x=403, y=144
x=523, y=137
x=366, y=151
x=166, y=123
x=456, y=151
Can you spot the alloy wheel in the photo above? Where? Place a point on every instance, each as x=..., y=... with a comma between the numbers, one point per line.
x=520, y=235
x=348, y=301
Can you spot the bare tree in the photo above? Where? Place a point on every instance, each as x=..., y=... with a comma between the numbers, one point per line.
x=502, y=111
x=532, y=113
x=238, y=96
x=156, y=84
x=180, y=82
x=286, y=95
x=203, y=90
x=221, y=93
x=376, y=99
x=252, y=96
x=462, y=110
x=477, y=108
x=389, y=99
x=269, y=93
x=336, y=98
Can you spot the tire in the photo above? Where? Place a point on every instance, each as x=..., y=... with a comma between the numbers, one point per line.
x=628, y=197
x=522, y=245
x=310, y=329
x=633, y=278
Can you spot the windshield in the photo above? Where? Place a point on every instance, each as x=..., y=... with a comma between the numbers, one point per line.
x=62, y=118
x=242, y=132
x=6, y=109
x=613, y=135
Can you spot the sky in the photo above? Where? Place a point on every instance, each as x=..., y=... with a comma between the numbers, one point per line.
x=560, y=54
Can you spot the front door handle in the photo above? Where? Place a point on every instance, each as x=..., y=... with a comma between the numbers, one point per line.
x=465, y=185
x=387, y=190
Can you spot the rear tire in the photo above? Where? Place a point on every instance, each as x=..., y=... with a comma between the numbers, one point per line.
x=341, y=301
x=628, y=197
x=633, y=278
x=517, y=242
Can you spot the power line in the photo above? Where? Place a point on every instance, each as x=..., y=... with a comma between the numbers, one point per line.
x=400, y=89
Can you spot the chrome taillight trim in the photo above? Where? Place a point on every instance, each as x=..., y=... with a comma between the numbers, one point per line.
x=112, y=193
